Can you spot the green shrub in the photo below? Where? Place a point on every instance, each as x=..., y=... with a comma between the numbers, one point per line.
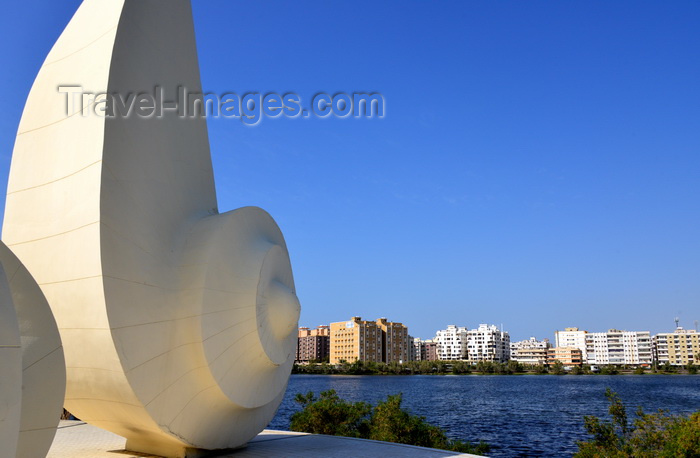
x=331, y=415
x=427, y=367
x=668, y=368
x=649, y=435
x=386, y=421
x=557, y=368
x=609, y=370
x=577, y=370
x=461, y=367
x=514, y=367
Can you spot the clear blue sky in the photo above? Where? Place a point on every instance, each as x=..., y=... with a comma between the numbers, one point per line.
x=538, y=165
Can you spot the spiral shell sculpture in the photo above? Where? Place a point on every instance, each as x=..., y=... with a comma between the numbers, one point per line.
x=178, y=323
x=32, y=367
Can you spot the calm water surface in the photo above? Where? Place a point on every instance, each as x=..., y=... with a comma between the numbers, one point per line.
x=528, y=415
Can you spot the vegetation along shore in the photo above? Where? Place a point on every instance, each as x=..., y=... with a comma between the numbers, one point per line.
x=480, y=368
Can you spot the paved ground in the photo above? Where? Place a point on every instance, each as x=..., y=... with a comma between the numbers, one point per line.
x=76, y=439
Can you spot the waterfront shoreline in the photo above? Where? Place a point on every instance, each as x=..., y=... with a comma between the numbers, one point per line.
x=516, y=416
x=482, y=368
x=479, y=374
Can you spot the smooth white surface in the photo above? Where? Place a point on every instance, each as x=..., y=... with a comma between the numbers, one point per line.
x=43, y=365
x=178, y=323
x=31, y=363
x=11, y=370
x=79, y=440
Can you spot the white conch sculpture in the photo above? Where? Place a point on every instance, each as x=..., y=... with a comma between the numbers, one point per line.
x=178, y=323
x=32, y=369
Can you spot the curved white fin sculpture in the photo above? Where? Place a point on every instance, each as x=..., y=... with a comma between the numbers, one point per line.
x=178, y=323
x=10, y=370
x=31, y=364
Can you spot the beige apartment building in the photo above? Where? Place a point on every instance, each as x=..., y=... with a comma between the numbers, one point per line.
x=378, y=341
x=568, y=356
x=313, y=344
x=531, y=351
x=572, y=338
x=678, y=348
x=395, y=341
x=355, y=340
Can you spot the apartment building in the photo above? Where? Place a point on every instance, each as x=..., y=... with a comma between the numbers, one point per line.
x=678, y=348
x=451, y=343
x=531, y=351
x=416, y=346
x=429, y=351
x=313, y=344
x=613, y=347
x=568, y=356
x=378, y=341
x=355, y=340
x=571, y=338
x=619, y=347
x=424, y=350
x=488, y=343
x=412, y=348
x=395, y=341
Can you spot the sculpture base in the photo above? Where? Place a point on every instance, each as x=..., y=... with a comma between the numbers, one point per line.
x=149, y=448
x=76, y=439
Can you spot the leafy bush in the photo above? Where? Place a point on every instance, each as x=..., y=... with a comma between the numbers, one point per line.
x=668, y=368
x=557, y=368
x=578, y=370
x=609, y=370
x=461, y=367
x=331, y=415
x=485, y=367
x=387, y=421
x=515, y=367
x=649, y=435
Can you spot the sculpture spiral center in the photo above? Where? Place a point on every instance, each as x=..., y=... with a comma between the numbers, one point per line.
x=277, y=305
x=284, y=309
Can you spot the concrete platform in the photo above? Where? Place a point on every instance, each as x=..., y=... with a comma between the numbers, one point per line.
x=76, y=439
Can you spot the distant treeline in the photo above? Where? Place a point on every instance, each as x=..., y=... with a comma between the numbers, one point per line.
x=481, y=367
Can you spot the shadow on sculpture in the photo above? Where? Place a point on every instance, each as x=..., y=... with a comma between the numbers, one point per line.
x=178, y=323
x=31, y=363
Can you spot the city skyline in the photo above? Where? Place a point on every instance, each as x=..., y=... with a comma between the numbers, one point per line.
x=537, y=166
x=518, y=334
x=384, y=341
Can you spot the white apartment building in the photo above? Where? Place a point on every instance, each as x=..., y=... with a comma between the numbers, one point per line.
x=571, y=338
x=531, y=351
x=451, y=343
x=619, y=347
x=488, y=343
x=611, y=347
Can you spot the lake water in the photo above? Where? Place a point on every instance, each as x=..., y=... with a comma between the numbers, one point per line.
x=518, y=415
